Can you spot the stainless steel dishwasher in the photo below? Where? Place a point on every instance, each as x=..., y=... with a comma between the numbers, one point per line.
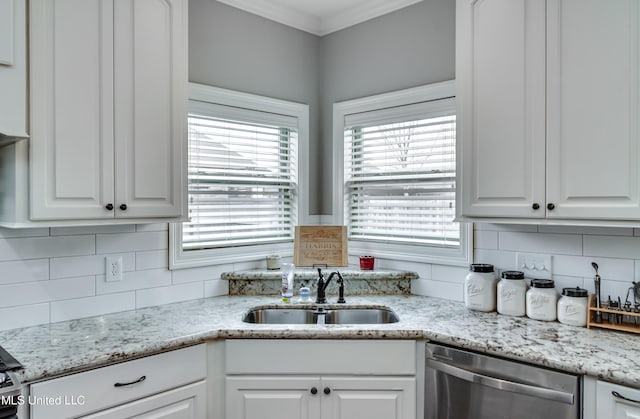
x=466, y=385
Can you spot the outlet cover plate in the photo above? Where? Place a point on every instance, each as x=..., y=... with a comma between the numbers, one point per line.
x=534, y=265
x=113, y=268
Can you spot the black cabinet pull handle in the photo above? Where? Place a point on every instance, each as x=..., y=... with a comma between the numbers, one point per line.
x=139, y=380
x=550, y=206
x=620, y=396
x=123, y=207
x=109, y=207
x=535, y=206
x=314, y=390
x=327, y=390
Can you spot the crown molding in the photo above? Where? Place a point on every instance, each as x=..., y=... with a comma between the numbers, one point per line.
x=284, y=15
x=361, y=13
x=312, y=24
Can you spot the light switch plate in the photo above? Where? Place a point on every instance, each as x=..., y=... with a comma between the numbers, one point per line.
x=113, y=268
x=534, y=265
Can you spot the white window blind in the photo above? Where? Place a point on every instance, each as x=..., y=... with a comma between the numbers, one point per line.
x=242, y=177
x=399, y=174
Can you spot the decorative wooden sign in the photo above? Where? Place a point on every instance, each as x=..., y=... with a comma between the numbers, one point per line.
x=320, y=245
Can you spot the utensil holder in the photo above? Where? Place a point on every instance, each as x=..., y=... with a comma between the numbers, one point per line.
x=624, y=327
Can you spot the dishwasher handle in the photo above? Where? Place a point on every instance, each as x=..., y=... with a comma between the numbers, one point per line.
x=500, y=384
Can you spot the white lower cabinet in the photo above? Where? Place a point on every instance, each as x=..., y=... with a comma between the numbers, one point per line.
x=321, y=380
x=188, y=402
x=617, y=402
x=280, y=397
x=168, y=385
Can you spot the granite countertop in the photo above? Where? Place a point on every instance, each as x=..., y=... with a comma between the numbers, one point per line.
x=65, y=347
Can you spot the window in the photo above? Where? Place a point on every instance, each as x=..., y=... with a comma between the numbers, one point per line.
x=397, y=175
x=244, y=193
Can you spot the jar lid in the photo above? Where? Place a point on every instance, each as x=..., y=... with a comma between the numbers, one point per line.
x=542, y=283
x=513, y=275
x=575, y=292
x=481, y=267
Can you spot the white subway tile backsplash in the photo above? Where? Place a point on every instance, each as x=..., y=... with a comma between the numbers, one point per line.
x=449, y=273
x=215, y=288
x=133, y=281
x=180, y=276
x=45, y=291
x=92, y=306
x=44, y=247
x=57, y=274
x=438, y=289
x=609, y=268
x=612, y=246
x=24, y=316
x=500, y=259
x=152, y=227
x=71, y=231
x=24, y=271
x=563, y=244
x=171, y=294
x=485, y=239
x=86, y=265
x=130, y=242
x=523, y=228
x=609, y=231
x=152, y=259
x=615, y=289
x=567, y=282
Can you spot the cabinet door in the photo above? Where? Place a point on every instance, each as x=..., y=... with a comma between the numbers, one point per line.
x=71, y=99
x=13, y=69
x=369, y=397
x=188, y=402
x=273, y=397
x=150, y=106
x=593, y=110
x=500, y=76
x=610, y=407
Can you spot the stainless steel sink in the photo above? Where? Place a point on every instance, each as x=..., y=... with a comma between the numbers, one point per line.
x=279, y=316
x=292, y=315
x=361, y=316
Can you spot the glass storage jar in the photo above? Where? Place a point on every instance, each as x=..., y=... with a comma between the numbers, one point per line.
x=573, y=306
x=512, y=290
x=542, y=300
x=480, y=287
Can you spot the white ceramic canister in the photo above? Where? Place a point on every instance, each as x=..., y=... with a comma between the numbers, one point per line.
x=512, y=290
x=542, y=300
x=573, y=306
x=480, y=287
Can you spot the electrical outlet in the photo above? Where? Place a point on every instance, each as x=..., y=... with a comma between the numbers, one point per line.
x=113, y=268
x=534, y=265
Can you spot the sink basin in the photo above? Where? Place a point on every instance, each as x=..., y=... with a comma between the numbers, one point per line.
x=287, y=315
x=361, y=316
x=279, y=316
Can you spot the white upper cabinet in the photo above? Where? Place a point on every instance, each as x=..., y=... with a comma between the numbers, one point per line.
x=548, y=109
x=593, y=99
x=13, y=70
x=108, y=108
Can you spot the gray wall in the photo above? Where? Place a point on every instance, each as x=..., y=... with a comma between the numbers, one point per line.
x=407, y=48
x=236, y=50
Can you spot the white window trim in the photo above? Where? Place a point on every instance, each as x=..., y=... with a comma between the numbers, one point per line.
x=179, y=259
x=415, y=253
